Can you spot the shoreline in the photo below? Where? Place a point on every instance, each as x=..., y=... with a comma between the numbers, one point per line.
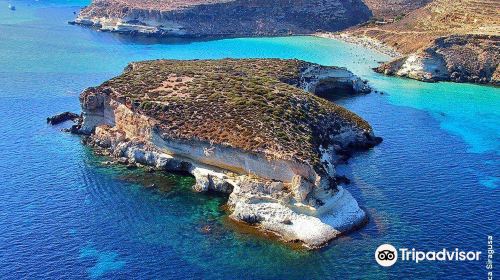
x=364, y=41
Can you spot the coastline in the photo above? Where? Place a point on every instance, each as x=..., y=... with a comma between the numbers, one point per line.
x=440, y=62
x=409, y=54
x=426, y=65
x=364, y=41
x=70, y=216
x=157, y=33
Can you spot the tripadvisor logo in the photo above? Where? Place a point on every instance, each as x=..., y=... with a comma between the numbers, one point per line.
x=387, y=255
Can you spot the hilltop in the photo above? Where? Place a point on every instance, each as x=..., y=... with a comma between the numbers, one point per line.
x=260, y=103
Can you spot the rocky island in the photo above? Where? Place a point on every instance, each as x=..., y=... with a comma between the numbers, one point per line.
x=255, y=129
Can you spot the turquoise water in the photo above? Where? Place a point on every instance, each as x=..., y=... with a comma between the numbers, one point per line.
x=432, y=184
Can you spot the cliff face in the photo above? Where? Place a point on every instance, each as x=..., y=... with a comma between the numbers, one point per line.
x=471, y=58
x=233, y=18
x=217, y=120
x=443, y=40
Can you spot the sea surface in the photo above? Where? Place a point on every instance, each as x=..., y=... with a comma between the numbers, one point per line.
x=432, y=184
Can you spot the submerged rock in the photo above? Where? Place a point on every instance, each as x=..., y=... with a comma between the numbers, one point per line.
x=251, y=128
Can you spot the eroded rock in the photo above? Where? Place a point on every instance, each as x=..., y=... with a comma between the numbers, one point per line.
x=63, y=117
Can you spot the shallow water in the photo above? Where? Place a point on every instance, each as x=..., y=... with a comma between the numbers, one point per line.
x=432, y=184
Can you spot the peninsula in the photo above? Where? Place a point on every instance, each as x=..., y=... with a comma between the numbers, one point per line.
x=255, y=129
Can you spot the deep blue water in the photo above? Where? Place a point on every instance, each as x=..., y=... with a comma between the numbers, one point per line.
x=432, y=184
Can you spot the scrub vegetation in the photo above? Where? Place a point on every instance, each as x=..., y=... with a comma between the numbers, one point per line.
x=251, y=104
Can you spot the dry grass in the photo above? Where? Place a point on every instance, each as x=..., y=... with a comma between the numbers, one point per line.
x=251, y=104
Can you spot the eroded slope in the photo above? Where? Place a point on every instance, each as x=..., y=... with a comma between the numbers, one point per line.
x=387, y=9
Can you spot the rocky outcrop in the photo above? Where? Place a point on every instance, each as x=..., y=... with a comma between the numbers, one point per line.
x=285, y=183
x=67, y=116
x=427, y=66
x=62, y=117
x=222, y=18
x=323, y=81
x=471, y=58
x=441, y=40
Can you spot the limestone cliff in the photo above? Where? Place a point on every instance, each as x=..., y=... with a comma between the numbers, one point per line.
x=222, y=18
x=243, y=127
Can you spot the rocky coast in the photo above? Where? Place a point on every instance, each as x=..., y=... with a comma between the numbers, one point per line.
x=469, y=58
x=255, y=129
x=429, y=40
x=440, y=40
x=221, y=18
